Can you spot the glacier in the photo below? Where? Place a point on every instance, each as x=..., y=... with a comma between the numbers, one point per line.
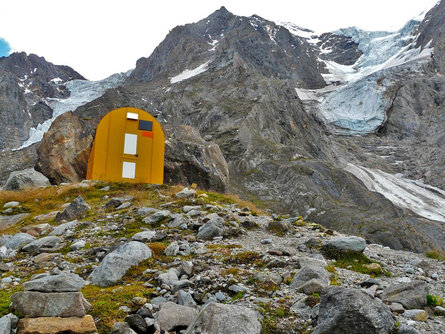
x=81, y=92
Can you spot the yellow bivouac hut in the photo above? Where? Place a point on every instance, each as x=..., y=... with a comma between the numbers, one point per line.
x=129, y=147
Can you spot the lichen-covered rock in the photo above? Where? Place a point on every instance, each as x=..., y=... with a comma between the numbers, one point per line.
x=18, y=240
x=351, y=311
x=49, y=242
x=114, y=266
x=310, y=279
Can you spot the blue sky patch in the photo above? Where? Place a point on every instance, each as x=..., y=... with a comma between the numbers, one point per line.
x=5, y=48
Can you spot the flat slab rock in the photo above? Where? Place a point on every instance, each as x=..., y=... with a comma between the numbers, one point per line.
x=38, y=304
x=51, y=325
x=8, y=221
x=64, y=282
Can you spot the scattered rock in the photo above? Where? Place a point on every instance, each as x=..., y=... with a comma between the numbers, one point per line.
x=76, y=209
x=344, y=310
x=47, y=243
x=185, y=298
x=186, y=193
x=215, y=318
x=114, y=266
x=172, y=316
x=8, y=221
x=172, y=249
x=62, y=228
x=410, y=295
x=25, y=179
x=335, y=247
x=416, y=315
x=8, y=323
x=137, y=323
x=11, y=204
x=144, y=236
x=310, y=279
x=18, y=240
x=157, y=217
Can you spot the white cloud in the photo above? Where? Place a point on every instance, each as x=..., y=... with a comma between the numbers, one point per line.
x=102, y=37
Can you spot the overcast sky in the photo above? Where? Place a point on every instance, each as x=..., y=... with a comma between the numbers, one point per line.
x=101, y=37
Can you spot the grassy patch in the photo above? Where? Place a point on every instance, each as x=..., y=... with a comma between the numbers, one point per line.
x=436, y=254
x=247, y=257
x=359, y=262
x=106, y=302
x=432, y=300
x=5, y=299
x=272, y=316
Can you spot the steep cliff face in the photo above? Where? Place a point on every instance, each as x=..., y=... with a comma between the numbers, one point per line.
x=25, y=80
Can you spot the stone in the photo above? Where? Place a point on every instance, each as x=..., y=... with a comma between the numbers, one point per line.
x=37, y=230
x=44, y=257
x=416, y=315
x=396, y=307
x=64, y=282
x=172, y=249
x=351, y=311
x=181, y=284
x=114, y=266
x=51, y=325
x=114, y=203
x=157, y=217
x=280, y=226
x=38, y=304
x=172, y=316
x=410, y=295
x=76, y=245
x=439, y=310
x=49, y=242
x=188, y=208
x=11, y=204
x=310, y=280
x=186, y=268
x=8, y=221
x=62, y=228
x=76, y=209
x=177, y=220
x=144, y=236
x=123, y=206
x=335, y=247
x=186, y=193
x=405, y=329
x=122, y=328
x=25, y=179
x=185, y=298
x=145, y=211
x=236, y=288
x=216, y=318
x=267, y=277
x=137, y=323
x=311, y=261
x=46, y=217
x=18, y=240
x=8, y=323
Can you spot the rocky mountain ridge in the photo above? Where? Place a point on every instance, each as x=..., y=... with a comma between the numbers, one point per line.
x=150, y=259
x=246, y=92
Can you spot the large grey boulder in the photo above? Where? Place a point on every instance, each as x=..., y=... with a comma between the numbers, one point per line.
x=172, y=316
x=215, y=318
x=114, y=266
x=335, y=247
x=351, y=311
x=212, y=228
x=25, y=179
x=156, y=217
x=49, y=242
x=76, y=209
x=310, y=279
x=64, y=282
x=38, y=304
x=18, y=240
x=411, y=295
x=8, y=323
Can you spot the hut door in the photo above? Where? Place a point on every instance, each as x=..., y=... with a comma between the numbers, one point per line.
x=130, y=156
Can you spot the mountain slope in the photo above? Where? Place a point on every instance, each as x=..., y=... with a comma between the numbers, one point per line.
x=232, y=80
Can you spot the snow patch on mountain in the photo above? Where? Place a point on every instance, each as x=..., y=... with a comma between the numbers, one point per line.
x=187, y=74
x=425, y=200
x=81, y=92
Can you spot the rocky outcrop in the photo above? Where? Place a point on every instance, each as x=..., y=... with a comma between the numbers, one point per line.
x=76, y=209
